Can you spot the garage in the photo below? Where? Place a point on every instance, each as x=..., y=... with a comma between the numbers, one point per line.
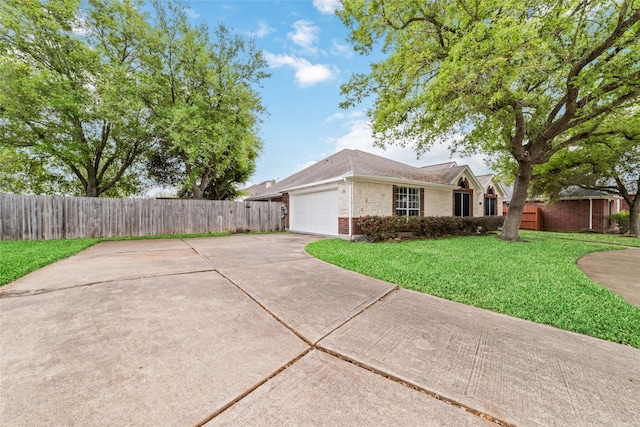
x=314, y=212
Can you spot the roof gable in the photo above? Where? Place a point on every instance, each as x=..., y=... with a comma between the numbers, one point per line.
x=486, y=180
x=449, y=172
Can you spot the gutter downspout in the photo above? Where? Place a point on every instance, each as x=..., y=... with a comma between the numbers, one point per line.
x=590, y=214
x=349, y=186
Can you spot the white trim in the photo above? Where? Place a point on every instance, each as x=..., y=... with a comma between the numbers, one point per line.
x=402, y=182
x=313, y=189
x=590, y=213
x=314, y=186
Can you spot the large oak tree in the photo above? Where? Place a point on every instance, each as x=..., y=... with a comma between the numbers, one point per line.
x=518, y=78
x=71, y=84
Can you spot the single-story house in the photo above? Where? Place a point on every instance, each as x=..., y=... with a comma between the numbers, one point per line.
x=329, y=196
x=577, y=209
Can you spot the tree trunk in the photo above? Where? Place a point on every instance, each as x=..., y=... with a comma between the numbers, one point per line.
x=197, y=192
x=634, y=223
x=516, y=207
x=91, y=189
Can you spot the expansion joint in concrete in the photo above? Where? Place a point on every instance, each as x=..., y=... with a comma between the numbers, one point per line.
x=252, y=389
x=418, y=388
x=35, y=292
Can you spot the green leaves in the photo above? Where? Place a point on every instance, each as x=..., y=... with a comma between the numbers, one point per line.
x=89, y=89
x=69, y=96
x=207, y=106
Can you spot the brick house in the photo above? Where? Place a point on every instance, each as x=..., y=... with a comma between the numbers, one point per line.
x=329, y=196
x=577, y=210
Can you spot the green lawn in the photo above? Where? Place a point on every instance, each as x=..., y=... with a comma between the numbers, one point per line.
x=614, y=239
x=18, y=258
x=536, y=280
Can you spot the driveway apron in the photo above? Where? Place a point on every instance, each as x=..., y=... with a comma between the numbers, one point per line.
x=251, y=330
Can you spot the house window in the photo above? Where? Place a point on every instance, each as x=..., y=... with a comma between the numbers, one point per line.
x=407, y=201
x=490, y=206
x=490, y=201
x=462, y=204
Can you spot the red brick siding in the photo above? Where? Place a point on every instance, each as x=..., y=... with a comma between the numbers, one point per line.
x=343, y=226
x=573, y=215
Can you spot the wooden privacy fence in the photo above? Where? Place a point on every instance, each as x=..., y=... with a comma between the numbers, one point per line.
x=531, y=218
x=59, y=217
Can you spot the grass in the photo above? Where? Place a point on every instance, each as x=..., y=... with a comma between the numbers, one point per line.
x=614, y=239
x=18, y=258
x=537, y=280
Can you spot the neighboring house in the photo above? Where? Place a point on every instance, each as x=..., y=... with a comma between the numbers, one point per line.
x=576, y=210
x=256, y=189
x=329, y=196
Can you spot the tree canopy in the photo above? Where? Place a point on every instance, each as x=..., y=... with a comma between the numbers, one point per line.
x=90, y=90
x=207, y=106
x=70, y=87
x=518, y=80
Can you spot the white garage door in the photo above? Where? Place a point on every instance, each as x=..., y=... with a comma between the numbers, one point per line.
x=314, y=212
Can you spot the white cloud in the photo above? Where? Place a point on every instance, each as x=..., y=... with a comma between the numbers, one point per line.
x=305, y=35
x=327, y=7
x=307, y=74
x=263, y=30
x=192, y=13
x=358, y=137
x=334, y=117
x=341, y=49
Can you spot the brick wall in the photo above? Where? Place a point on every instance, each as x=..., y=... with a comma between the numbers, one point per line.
x=573, y=215
x=343, y=226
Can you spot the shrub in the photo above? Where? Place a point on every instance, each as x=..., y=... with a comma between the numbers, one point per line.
x=376, y=228
x=622, y=220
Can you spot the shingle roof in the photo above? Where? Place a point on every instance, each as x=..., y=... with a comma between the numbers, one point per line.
x=447, y=171
x=258, y=188
x=348, y=163
x=571, y=192
x=574, y=191
x=484, y=179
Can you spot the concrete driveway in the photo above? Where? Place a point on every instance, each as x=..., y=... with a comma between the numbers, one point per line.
x=250, y=330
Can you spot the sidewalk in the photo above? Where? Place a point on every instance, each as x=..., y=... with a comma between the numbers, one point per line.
x=250, y=330
x=618, y=271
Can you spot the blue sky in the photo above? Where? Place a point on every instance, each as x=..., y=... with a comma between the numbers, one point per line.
x=309, y=58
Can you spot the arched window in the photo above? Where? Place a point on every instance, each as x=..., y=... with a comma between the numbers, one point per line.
x=463, y=183
x=490, y=202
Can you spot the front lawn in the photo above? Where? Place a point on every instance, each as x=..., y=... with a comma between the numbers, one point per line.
x=19, y=257
x=537, y=280
x=614, y=239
